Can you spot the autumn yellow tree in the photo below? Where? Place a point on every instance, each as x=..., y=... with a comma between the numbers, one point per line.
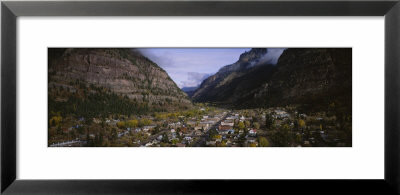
x=247, y=123
x=264, y=142
x=301, y=123
x=55, y=120
x=253, y=145
x=132, y=123
x=121, y=124
x=222, y=144
x=241, y=125
x=145, y=122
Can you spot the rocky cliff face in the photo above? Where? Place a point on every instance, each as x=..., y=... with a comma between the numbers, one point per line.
x=310, y=76
x=124, y=72
x=301, y=76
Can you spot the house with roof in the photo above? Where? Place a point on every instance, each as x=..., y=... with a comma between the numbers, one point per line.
x=210, y=143
x=147, y=128
x=187, y=138
x=280, y=114
x=191, y=123
x=180, y=145
x=251, y=140
x=224, y=127
x=155, y=141
x=222, y=131
x=197, y=132
x=227, y=123
x=231, y=117
x=202, y=125
x=253, y=132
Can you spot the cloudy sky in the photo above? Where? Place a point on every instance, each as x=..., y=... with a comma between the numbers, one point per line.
x=189, y=66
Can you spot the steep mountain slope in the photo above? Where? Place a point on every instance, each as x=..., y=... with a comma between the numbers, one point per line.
x=218, y=87
x=310, y=76
x=117, y=80
x=301, y=76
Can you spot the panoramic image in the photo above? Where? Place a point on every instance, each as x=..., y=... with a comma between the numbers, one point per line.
x=199, y=97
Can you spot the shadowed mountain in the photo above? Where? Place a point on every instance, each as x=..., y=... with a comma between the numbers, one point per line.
x=302, y=76
x=91, y=81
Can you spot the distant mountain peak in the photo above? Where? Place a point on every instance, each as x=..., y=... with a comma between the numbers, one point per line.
x=246, y=60
x=190, y=90
x=253, y=54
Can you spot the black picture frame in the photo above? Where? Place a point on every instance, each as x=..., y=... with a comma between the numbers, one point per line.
x=10, y=10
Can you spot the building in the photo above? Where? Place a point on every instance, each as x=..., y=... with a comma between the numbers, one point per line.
x=184, y=129
x=191, y=123
x=210, y=143
x=202, y=125
x=280, y=114
x=222, y=131
x=231, y=117
x=188, y=138
x=224, y=127
x=227, y=123
x=197, y=133
x=149, y=127
x=251, y=140
x=180, y=145
x=253, y=132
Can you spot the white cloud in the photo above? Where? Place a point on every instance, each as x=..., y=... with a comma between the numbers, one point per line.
x=272, y=56
x=186, y=66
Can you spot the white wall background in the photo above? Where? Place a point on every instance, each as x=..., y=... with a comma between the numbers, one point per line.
x=364, y=160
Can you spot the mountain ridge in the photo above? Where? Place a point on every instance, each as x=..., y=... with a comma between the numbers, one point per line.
x=301, y=76
x=123, y=72
x=228, y=72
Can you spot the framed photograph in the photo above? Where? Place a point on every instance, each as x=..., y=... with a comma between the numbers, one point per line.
x=226, y=97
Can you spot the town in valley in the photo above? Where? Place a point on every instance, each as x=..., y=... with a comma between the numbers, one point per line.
x=119, y=97
x=205, y=126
